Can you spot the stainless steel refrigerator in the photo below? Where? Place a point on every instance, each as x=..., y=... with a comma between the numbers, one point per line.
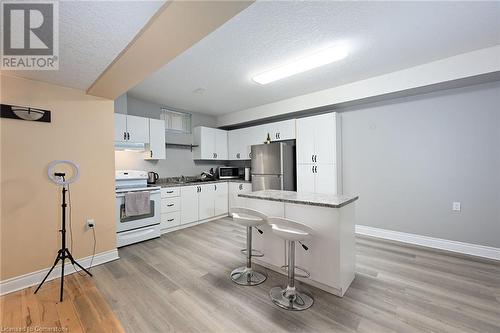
x=273, y=167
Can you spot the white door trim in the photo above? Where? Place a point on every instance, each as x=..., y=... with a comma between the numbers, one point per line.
x=431, y=242
x=30, y=279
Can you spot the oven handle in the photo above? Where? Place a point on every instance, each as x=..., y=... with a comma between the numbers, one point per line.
x=119, y=195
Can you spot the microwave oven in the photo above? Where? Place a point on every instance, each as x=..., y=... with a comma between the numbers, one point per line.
x=228, y=172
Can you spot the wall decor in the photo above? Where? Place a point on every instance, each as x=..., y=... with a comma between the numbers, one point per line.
x=24, y=113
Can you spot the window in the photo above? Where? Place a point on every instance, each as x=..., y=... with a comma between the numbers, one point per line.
x=175, y=121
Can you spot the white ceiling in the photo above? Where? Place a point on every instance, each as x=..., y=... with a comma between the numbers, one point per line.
x=384, y=36
x=91, y=35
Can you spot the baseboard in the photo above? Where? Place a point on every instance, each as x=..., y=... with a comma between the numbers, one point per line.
x=192, y=224
x=431, y=242
x=33, y=278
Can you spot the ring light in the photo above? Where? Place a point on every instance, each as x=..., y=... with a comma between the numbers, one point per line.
x=59, y=180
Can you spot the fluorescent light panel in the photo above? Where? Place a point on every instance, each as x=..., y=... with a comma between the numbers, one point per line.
x=312, y=61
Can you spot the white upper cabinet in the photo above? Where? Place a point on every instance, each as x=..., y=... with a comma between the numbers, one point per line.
x=281, y=130
x=221, y=144
x=211, y=142
x=157, y=148
x=120, y=127
x=305, y=140
x=317, y=139
x=318, y=154
x=138, y=129
x=239, y=144
x=131, y=128
x=241, y=140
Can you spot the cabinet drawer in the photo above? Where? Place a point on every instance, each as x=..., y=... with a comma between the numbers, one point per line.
x=169, y=220
x=170, y=205
x=168, y=192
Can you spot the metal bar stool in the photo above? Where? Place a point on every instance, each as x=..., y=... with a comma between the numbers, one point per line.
x=291, y=231
x=251, y=219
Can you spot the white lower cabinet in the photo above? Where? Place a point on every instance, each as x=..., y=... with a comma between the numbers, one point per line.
x=234, y=190
x=170, y=220
x=206, y=202
x=201, y=202
x=221, y=198
x=189, y=204
x=170, y=207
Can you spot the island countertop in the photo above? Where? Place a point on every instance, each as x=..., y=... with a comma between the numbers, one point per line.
x=304, y=198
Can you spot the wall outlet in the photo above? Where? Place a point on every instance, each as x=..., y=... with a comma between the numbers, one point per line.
x=90, y=223
x=456, y=207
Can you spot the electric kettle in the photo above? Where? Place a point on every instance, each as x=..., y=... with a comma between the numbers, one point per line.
x=152, y=177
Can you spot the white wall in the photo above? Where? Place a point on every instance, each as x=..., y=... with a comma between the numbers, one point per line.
x=179, y=161
x=408, y=159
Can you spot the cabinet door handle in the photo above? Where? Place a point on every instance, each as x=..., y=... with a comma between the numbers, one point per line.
x=170, y=191
x=315, y=158
x=170, y=220
x=238, y=155
x=312, y=169
x=151, y=154
x=241, y=186
x=170, y=205
x=124, y=135
x=315, y=169
x=128, y=135
x=312, y=158
x=215, y=187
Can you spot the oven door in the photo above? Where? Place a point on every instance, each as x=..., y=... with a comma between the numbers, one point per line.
x=125, y=223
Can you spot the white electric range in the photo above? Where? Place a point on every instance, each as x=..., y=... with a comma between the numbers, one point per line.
x=133, y=229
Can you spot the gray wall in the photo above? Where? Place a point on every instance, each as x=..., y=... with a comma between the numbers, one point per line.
x=410, y=158
x=179, y=161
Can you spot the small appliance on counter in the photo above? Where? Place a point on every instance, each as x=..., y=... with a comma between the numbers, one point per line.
x=152, y=177
x=208, y=175
x=226, y=172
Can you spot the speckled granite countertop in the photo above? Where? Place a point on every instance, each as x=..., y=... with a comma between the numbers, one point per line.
x=173, y=183
x=311, y=199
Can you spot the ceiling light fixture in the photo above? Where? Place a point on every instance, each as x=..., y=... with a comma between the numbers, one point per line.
x=314, y=60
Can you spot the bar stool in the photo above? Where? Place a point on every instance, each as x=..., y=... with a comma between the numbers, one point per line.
x=291, y=231
x=251, y=219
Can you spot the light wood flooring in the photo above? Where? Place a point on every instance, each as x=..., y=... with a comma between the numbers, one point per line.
x=180, y=283
x=83, y=309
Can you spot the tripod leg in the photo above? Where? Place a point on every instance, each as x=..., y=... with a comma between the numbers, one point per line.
x=62, y=277
x=74, y=262
x=50, y=271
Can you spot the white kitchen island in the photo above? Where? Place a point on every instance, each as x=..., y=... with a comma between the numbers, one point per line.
x=330, y=258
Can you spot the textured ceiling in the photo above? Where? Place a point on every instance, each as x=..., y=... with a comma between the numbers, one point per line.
x=214, y=76
x=91, y=35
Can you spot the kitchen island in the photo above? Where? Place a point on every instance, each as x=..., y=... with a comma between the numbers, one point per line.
x=330, y=258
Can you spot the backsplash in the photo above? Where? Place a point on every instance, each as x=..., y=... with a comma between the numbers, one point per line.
x=179, y=162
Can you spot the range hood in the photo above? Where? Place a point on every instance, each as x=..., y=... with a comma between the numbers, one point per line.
x=135, y=146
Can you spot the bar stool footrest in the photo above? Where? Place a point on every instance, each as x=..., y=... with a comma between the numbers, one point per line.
x=255, y=253
x=299, y=271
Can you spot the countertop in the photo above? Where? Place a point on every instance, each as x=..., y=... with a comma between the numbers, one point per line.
x=304, y=198
x=179, y=184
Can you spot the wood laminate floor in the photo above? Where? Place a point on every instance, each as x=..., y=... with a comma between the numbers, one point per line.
x=83, y=309
x=180, y=283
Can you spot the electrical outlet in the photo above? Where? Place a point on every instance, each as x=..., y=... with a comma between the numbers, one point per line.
x=456, y=207
x=90, y=223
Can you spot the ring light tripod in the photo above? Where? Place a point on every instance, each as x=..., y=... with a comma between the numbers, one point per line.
x=59, y=178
